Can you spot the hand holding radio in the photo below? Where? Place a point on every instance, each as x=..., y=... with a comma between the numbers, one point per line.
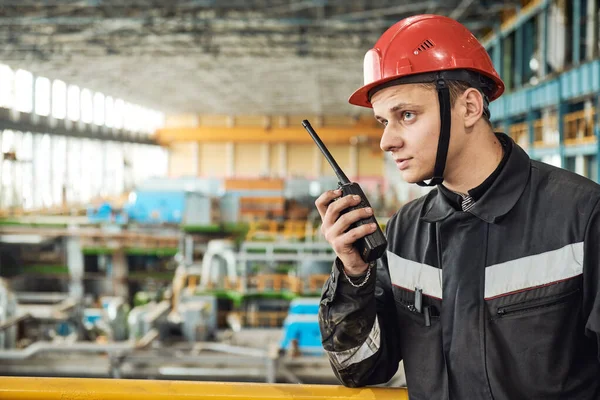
x=339, y=215
x=348, y=222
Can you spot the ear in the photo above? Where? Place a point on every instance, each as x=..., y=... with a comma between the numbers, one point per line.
x=473, y=107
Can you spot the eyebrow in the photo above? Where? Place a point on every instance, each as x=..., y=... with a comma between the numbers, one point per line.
x=400, y=106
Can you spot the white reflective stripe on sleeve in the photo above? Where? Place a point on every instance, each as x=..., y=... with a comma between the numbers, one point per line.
x=533, y=271
x=343, y=359
x=411, y=274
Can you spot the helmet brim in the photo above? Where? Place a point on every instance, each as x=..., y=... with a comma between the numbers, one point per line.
x=361, y=96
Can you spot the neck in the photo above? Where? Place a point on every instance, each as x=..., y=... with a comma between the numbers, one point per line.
x=477, y=160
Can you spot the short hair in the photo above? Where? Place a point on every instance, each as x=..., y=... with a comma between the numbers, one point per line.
x=456, y=89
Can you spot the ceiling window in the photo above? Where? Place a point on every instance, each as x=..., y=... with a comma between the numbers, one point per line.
x=87, y=106
x=59, y=99
x=99, y=108
x=42, y=96
x=7, y=87
x=73, y=103
x=23, y=91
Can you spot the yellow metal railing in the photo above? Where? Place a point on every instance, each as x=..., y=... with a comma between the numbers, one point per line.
x=579, y=127
x=117, y=389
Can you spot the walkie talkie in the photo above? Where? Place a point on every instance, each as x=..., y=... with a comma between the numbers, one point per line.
x=372, y=246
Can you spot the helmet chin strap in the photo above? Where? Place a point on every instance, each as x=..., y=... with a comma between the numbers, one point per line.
x=444, y=140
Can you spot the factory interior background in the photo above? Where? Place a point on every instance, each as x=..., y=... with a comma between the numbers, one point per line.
x=157, y=188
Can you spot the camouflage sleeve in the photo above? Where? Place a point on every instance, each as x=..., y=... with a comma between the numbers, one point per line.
x=357, y=327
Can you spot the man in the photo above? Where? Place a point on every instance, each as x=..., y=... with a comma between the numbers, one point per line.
x=490, y=285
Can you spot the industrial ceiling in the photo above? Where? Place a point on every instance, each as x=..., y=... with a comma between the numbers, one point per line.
x=234, y=57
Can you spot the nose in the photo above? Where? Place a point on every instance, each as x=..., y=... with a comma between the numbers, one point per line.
x=390, y=139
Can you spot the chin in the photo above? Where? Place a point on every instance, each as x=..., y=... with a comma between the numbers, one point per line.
x=414, y=177
x=411, y=177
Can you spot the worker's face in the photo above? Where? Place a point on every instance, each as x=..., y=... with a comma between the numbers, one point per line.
x=410, y=114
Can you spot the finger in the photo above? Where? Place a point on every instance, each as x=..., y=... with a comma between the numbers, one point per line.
x=344, y=244
x=325, y=199
x=343, y=222
x=337, y=207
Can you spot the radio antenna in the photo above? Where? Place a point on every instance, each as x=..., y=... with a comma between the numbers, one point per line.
x=336, y=168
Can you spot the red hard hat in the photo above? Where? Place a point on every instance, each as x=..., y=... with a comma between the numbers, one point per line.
x=425, y=44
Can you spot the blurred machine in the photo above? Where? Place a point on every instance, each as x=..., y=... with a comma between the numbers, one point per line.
x=209, y=202
x=301, y=333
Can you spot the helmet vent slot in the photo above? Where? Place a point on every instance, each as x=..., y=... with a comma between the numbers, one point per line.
x=424, y=46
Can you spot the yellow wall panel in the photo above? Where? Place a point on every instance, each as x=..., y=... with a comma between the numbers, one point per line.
x=248, y=159
x=182, y=158
x=341, y=153
x=300, y=160
x=213, y=159
x=274, y=167
x=370, y=161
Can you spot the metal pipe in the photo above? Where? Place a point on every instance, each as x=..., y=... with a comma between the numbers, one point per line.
x=66, y=305
x=226, y=348
x=13, y=321
x=87, y=347
x=155, y=313
x=112, y=389
x=147, y=339
x=40, y=297
x=287, y=374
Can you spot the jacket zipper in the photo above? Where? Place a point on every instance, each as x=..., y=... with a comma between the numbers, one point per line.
x=534, y=304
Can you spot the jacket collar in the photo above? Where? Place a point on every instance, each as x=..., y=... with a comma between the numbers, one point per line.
x=497, y=201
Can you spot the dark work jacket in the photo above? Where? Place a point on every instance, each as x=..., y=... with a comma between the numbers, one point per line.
x=510, y=294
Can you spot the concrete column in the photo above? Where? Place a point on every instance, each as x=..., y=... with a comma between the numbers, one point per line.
x=497, y=55
x=265, y=159
x=353, y=167
x=35, y=192
x=195, y=158
x=67, y=176
x=50, y=101
x=230, y=154
x=120, y=271
x=32, y=94
x=591, y=37
x=188, y=247
x=76, y=266
x=556, y=37
x=580, y=165
x=317, y=162
x=283, y=160
x=51, y=169
x=549, y=132
x=576, y=32
x=543, y=42
x=518, y=51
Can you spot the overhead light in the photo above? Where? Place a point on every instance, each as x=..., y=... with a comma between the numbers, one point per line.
x=534, y=64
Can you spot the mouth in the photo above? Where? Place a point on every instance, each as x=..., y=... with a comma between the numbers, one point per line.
x=402, y=163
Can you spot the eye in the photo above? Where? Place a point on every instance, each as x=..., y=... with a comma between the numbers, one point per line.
x=408, y=116
x=383, y=122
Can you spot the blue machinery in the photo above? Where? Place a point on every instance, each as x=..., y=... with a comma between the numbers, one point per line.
x=301, y=327
x=552, y=72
